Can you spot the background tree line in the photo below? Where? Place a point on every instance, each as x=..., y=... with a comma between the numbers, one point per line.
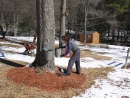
x=109, y=17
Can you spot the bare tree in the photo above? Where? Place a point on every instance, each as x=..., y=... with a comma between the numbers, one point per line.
x=45, y=33
x=6, y=15
x=86, y=5
x=89, y=10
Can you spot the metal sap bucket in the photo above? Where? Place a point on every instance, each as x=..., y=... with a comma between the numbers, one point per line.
x=48, y=53
x=57, y=52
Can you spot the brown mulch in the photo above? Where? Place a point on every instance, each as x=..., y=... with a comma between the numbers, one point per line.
x=47, y=81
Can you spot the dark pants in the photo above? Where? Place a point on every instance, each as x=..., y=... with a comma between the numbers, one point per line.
x=74, y=59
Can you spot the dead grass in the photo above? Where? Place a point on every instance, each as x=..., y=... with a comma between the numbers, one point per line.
x=97, y=45
x=10, y=51
x=94, y=73
x=88, y=53
x=11, y=45
x=94, y=45
x=20, y=62
x=8, y=89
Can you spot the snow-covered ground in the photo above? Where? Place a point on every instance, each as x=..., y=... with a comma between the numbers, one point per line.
x=107, y=88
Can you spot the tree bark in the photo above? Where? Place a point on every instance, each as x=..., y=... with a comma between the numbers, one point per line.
x=15, y=18
x=85, y=20
x=45, y=33
x=86, y=6
x=62, y=21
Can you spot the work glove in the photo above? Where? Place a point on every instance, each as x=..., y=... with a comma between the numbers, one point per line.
x=61, y=55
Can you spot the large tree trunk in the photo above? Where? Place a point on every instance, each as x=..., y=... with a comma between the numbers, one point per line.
x=45, y=33
x=62, y=21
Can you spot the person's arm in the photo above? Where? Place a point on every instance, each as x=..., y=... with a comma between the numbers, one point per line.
x=68, y=49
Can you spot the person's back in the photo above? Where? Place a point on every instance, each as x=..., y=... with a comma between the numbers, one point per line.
x=74, y=45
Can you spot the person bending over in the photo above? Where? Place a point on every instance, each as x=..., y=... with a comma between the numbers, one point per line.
x=75, y=58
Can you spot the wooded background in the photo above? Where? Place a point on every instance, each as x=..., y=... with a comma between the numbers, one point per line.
x=108, y=17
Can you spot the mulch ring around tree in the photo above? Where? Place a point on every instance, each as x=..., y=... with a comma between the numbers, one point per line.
x=46, y=81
